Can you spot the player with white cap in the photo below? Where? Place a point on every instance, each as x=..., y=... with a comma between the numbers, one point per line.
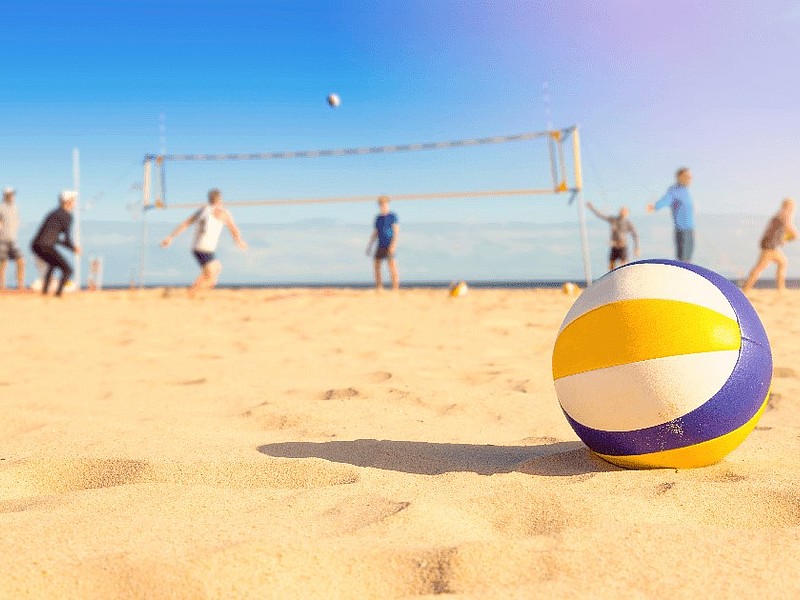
x=55, y=230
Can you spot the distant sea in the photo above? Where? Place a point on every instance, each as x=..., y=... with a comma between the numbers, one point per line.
x=361, y=285
x=322, y=253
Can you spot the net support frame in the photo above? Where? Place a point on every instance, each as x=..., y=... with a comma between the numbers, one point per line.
x=558, y=166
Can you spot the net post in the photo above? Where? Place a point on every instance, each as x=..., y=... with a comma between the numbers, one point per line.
x=76, y=183
x=148, y=163
x=576, y=160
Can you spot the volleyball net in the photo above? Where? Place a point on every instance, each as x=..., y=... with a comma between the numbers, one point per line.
x=488, y=168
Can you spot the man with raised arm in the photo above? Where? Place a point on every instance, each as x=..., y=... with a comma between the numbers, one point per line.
x=620, y=227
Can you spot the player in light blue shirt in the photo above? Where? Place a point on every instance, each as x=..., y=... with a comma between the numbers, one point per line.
x=679, y=200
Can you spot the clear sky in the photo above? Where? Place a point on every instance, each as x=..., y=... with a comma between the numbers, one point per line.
x=653, y=85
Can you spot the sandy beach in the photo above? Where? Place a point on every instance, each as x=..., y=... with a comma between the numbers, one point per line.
x=345, y=444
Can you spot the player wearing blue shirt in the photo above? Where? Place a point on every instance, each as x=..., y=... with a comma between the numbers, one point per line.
x=385, y=232
x=680, y=201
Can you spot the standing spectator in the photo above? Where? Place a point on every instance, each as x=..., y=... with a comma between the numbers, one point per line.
x=9, y=250
x=386, y=232
x=680, y=201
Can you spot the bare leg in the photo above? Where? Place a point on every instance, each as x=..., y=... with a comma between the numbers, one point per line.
x=207, y=278
x=20, y=275
x=378, y=278
x=780, y=276
x=3, y=264
x=395, y=274
x=611, y=265
x=763, y=262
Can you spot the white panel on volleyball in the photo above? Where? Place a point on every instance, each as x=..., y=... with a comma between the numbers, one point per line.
x=652, y=391
x=652, y=281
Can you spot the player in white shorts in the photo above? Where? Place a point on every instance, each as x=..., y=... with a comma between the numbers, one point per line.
x=210, y=220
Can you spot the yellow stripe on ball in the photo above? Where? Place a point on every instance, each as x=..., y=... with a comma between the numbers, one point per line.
x=634, y=330
x=689, y=457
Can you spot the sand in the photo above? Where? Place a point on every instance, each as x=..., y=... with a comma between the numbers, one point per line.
x=344, y=444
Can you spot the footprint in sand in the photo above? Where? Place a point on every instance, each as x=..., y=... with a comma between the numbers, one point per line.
x=271, y=421
x=357, y=513
x=517, y=511
x=340, y=394
x=200, y=381
x=377, y=377
x=663, y=488
x=774, y=401
x=27, y=478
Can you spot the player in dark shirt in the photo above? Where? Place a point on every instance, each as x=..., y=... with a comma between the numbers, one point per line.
x=55, y=230
x=620, y=227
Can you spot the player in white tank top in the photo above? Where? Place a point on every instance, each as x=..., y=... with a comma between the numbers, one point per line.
x=209, y=226
x=209, y=220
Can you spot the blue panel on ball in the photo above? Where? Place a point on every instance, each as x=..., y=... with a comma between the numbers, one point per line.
x=733, y=406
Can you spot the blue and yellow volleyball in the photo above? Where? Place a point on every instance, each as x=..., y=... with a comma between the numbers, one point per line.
x=662, y=364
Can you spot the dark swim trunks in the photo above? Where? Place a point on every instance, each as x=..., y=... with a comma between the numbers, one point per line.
x=203, y=257
x=620, y=254
x=9, y=251
x=382, y=253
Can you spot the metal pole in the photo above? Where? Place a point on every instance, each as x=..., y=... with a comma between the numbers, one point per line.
x=76, y=184
x=576, y=159
x=143, y=248
x=145, y=204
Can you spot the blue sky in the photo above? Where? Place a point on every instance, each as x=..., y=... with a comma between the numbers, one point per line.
x=653, y=85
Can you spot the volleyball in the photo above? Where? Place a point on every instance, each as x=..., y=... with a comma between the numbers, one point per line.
x=569, y=289
x=662, y=364
x=789, y=236
x=333, y=100
x=458, y=289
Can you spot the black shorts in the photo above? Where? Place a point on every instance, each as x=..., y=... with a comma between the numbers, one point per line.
x=203, y=257
x=9, y=251
x=620, y=254
x=382, y=253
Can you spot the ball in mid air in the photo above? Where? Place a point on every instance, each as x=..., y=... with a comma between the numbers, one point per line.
x=662, y=364
x=333, y=100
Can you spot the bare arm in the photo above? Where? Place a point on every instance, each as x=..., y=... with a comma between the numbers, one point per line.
x=372, y=238
x=179, y=229
x=237, y=237
x=635, y=237
x=395, y=235
x=788, y=224
x=591, y=207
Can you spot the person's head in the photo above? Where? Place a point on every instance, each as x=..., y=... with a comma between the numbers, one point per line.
x=683, y=176
x=214, y=196
x=67, y=199
x=383, y=204
x=787, y=206
x=624, y=212
x=9, y=194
